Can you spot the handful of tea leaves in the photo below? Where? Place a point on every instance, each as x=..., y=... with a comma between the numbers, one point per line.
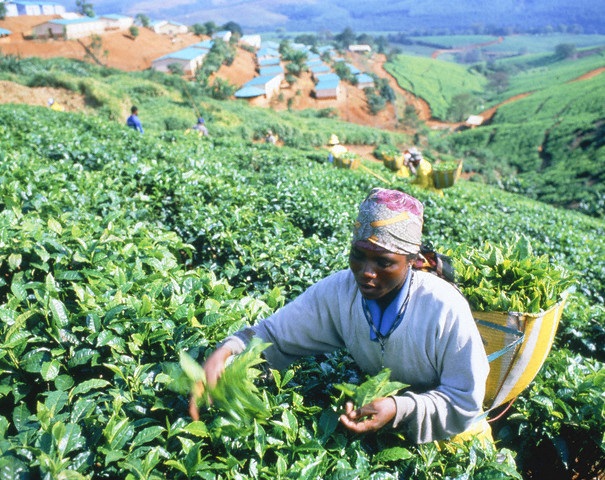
x=235, y=393
x=374, y=387
x=509, y=277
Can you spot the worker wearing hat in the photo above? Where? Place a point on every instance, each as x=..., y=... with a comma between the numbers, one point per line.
x=335, y=148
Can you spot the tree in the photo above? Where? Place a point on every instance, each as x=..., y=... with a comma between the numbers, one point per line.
x=211, y=27
x=142, y=19
x=85, y=8
x=345, y=38
x=198, y=29
x=565, y=51
x=233, y=27
x=134, y=31
x=2, y=11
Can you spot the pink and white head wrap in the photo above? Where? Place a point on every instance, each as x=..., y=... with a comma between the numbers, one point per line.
x=389, y=220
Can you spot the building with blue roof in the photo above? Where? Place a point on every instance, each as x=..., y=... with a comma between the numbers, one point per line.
x=4, y=32
x=319, y=69
x=272, y=70
x=263, y=86
x=115, y=21
x=364, y=81
x=327, y=87
x=19, y=7
x=267, y=62
x=69, y=28
x=190, y=59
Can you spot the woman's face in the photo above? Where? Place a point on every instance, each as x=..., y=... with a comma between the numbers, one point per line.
x=379, y=275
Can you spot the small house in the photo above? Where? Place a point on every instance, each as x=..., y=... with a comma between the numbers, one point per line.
x=251, y=40
x=327, y=86
x=11, y=9
x=266, y=86
x=28, y=8
x=49, y=8
x=272, y=70
x=319, y=69
x=224, y=35
x=117, y=22
x=269, y=61
x=69, y=29
x=165, y=27
x=4, y=32
x=360, y=48
x=190, y=59
x=364, y=81
x=266, y=52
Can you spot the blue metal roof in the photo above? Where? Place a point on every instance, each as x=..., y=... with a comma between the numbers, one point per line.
x=266, y=51
x=184, y=54
x=204, y=44
x=4, y=31
x=364, y=78
x=323, y=68
x=353, y=69
x=262, y=80
x=73, y=21
x=327, y=85
x=272, y=70
x=265, y=62
x=249, y=92
x=327, y=77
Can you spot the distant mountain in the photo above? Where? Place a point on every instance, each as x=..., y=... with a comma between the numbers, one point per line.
x=407, y=16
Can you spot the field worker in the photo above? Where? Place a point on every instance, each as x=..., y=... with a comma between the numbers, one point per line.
x=385, y=314
x=270, y=137
x=421, y=169
x=53, y=105
x=133, y=121
x=335, y=148
x=200, y=127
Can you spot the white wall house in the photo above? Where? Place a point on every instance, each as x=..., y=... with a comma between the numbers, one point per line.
x=49, y=8
x=360, y=48
x=189, y=59
x=69, y=29
x=11, y=9
x=266, y=86
x=224, y=35
x=251, y=40
x=28, y=8
x=117, y=22
x=165, y=27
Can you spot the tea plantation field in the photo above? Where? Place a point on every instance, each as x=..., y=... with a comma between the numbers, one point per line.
x=119, y=251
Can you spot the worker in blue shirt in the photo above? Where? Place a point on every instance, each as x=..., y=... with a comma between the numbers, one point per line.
x=133, y=121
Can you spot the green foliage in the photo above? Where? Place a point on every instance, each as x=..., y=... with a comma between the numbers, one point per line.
x=509, y=278
x=435, y=81
x=374, y=387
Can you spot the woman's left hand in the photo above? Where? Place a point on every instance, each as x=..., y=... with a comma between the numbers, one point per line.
x=370, y=417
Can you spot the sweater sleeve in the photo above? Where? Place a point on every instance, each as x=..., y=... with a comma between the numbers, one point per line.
x=306, y=326
x=456, y=401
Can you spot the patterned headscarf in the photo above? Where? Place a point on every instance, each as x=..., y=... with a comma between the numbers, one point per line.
x=390, y=220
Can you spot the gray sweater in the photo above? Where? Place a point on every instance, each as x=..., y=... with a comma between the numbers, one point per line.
x=436, y=349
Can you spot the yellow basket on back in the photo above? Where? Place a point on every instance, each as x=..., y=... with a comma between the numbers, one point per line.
x=446, y=178
x=517, y=345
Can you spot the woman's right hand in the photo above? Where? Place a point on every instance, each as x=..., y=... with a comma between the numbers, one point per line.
x=214, y=366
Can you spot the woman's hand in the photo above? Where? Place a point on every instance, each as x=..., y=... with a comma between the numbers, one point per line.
x=370, y=417
x=214, y=367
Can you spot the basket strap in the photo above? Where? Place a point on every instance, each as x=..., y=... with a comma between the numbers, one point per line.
x=518, y=334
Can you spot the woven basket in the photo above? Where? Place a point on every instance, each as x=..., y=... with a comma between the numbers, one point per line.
x=447, y=178
x=517, y=345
